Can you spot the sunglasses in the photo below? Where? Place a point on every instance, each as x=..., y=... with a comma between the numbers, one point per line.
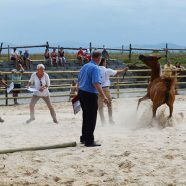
x=41, y=84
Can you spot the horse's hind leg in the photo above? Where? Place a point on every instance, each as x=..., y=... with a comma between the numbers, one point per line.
x=170, y=110
x=142, y=99
x=154, y=109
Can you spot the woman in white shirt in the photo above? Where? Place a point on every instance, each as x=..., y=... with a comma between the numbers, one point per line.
x=41, y=81
x=105, y=77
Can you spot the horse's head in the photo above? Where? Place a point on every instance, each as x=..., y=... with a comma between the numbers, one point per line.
x=153, y=63
x=149, y=58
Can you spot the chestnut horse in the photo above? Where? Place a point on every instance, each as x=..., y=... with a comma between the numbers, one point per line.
x=161, y=90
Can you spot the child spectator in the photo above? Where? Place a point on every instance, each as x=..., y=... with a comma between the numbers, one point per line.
x=73, y=90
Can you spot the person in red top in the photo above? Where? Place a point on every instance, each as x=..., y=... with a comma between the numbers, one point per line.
x=80, y=55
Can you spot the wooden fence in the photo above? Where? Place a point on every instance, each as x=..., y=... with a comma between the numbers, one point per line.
x=123, y=49
x=63, y=85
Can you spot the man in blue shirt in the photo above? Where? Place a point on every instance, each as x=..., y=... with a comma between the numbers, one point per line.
x=89, y=81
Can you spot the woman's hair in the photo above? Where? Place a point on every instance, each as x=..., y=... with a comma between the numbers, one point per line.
x=40, y=66
x=103, y=60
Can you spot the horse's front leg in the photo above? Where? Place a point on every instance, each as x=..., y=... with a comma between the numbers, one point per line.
x=142, y=99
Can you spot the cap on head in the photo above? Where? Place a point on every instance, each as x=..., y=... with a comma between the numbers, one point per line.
x=40, y=66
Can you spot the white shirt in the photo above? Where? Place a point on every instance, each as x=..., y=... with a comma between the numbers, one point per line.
x=105, y=75
x=45, y=80
x=14, y=54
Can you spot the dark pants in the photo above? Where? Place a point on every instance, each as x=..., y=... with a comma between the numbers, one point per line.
x=89, y=105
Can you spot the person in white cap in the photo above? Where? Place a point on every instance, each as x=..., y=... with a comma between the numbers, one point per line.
x=41, y=82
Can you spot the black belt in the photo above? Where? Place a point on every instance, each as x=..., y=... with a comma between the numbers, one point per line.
x=106, y=87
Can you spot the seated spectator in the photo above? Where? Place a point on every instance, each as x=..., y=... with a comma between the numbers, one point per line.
x=80, y=55
x=14, y=56
x=47, y=57
x=73, y=90
x=61, y=55
x=16, y=79
x=105, y=54
x=54, y=57
x=20, y=58
x=26, y=60
x=179, y=68
x=87, y=56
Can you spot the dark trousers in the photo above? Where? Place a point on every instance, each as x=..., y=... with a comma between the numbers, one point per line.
x=89, y=105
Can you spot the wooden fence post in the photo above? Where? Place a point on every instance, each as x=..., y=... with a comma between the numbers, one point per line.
x=130, y=51
x=118, y=90
x=6, y=94
x=90, y=47
x=122, y=47
x=8, y=53
x=166, y=52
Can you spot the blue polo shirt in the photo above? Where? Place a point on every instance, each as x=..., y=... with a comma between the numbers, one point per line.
x=89, y=74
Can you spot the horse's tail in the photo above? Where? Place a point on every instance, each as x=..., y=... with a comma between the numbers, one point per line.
x=170, y=83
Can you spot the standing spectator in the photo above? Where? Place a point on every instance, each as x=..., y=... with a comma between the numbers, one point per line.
x=54, y=57
x=80, y=55
x=89, y=81
x=47, y=57
x=41, y=82
x=16, y=79
x=61, y=55
x=2, y=82
x=105, y=54
x=105, y=77
x=26, y=59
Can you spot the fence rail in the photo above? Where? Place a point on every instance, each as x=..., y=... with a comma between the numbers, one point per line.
x=63, y=85
x=130, y=49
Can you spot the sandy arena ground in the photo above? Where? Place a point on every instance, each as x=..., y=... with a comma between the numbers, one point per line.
x=135, y=151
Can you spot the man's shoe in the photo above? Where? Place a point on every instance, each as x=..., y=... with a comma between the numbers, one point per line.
x=82, y=141
x=93, y=144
